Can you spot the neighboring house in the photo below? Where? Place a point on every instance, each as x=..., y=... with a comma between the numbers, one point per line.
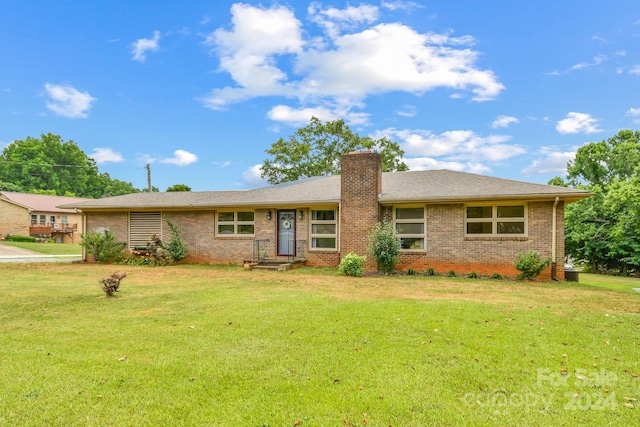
x=38, y=215
x=447, y=220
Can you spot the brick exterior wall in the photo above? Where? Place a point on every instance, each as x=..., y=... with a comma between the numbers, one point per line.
x=13, y=219
x=448, y=249
x=361, y=183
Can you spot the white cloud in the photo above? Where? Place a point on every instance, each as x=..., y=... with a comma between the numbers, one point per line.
x=504, y=121
x=596, y=61
x=344, y=70
x=223, y=165
x=67, y=101
x=635, y=70
x=456, y=145
x=401, y=5
x=635, y=113
x=334, y=21
x=140, y=47
x=460, y=150
x=105, y=155
x=428, y=163
x=253, y=178
x=181, y=158
x=408, y=111
x=597, y=37
x=301, y=116
x=553, y=162
x=578, y=123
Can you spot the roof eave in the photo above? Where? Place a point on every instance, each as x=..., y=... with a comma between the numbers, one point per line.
x=567, y=198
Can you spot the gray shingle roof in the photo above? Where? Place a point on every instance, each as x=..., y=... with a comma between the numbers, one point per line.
x=416, y=186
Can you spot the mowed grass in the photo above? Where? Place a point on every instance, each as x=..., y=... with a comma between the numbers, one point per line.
x=48, y=248
x=625, y=284
x=220, y=346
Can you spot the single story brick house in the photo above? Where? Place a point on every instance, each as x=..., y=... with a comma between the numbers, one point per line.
x=447, y=220
x=37, y=215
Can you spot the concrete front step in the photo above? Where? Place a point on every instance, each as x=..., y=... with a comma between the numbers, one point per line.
x=274, y=264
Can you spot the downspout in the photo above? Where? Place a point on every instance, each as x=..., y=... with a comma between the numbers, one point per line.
x=554, y=240
x=84, y=231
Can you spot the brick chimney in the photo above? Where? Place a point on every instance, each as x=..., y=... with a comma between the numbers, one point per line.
x=361, y=183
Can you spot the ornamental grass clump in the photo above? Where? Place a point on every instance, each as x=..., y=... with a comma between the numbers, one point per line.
x=384, y=246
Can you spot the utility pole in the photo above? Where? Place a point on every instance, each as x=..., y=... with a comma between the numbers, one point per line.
x=148, y=168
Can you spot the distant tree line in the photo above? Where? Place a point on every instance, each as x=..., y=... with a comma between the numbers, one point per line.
x=49, y=165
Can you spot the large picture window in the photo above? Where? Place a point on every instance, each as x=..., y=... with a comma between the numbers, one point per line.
x=323, y=229
x=496, y=220
x=233, y=223
x=409, y=223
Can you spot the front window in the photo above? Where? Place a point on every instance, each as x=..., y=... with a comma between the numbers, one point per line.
x=63, y=218
x=34, y=218
x=495, y=220
x=234, y=223
x=410, y=227
x=323, y=229
x=43, y=219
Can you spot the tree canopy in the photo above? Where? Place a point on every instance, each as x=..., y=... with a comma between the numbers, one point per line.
x=179, y=187
x=315, y=150
x=50, y=164
x=604, y=229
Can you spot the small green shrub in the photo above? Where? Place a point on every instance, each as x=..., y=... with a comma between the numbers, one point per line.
x=530, y=264
x=411, y=272
x=451, y=273
x=496, y=276
x=430, y=271
x=12, y=238
x=384, y=246
x=175, y=248
x=103, y=246
x=472, y=275
x=352, y=264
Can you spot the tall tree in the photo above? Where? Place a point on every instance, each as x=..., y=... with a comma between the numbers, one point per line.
x=179, y=187
x=49, y=163
x=315, y=150
x=604, y=228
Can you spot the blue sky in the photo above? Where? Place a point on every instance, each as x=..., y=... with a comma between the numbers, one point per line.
x=200, y=90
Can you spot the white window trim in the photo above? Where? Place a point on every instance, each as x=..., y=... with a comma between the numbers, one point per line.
x=236, y=222
x=495, y=220
x=422, y=236
x=313, y=222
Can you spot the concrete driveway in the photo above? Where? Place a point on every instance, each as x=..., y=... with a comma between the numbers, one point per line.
x=13, y=254
x=6, y=250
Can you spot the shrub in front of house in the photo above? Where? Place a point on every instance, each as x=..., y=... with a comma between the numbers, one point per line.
x=352, y=264
x=103, y=246
x=384, y=246
x=530, y=264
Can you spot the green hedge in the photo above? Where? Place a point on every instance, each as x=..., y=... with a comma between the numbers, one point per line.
x=20, y=239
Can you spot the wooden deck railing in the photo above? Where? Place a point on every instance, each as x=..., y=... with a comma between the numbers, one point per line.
x=47, y=229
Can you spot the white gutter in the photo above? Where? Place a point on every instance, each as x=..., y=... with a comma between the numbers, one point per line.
x=554, y=238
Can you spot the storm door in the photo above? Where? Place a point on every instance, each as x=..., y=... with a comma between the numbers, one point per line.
x=286, y=233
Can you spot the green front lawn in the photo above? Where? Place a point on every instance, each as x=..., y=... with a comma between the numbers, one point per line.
x=626, y=284
x=220, y=346
x=48, y=248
